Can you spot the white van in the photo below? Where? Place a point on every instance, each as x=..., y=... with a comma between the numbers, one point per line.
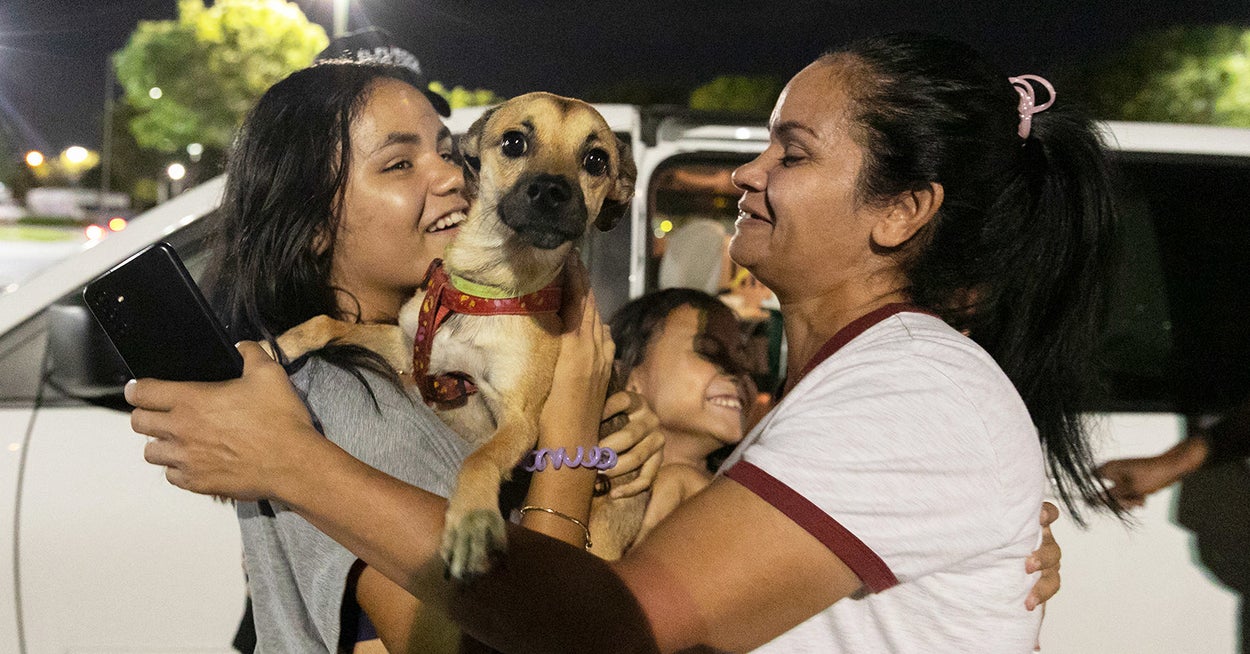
x=98, y=553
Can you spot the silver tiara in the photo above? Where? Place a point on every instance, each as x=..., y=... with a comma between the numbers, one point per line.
x=390, y=55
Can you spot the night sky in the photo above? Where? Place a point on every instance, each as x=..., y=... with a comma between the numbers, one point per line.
x=53, y=52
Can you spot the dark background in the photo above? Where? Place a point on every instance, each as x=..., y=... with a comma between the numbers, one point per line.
x=53, y=52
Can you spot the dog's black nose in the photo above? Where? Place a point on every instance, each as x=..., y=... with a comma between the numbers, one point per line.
x=549, y=191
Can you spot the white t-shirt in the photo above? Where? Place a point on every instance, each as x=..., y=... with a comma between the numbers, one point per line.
x=911, y=456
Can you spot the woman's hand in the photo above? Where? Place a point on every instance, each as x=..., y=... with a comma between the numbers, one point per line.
x=237, y=438
x=571, y=415
x=1045, y=560
x=639, y=444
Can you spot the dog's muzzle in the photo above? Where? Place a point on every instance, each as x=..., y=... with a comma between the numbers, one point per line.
x=545, y=210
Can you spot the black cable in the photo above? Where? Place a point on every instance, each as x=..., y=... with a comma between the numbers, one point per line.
x=17, y=509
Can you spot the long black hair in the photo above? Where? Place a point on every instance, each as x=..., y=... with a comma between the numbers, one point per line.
x=1018, y=253
x=275, y=230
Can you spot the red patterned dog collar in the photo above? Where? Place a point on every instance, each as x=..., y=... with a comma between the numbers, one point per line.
x=442, y=300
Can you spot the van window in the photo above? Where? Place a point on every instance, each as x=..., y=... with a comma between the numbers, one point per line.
x=691, y=198
x=1178, y=338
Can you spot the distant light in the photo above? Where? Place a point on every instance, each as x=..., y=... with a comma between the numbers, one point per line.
x=742, y=133
x=658, y=233
x=94, y=232
x=176, y=171
x=666, y=226
x=195, y=149
x=155, y=93
x=117, y=223
x=34, y=158
x=720, y=202
x=75, y=154
x=13, y=447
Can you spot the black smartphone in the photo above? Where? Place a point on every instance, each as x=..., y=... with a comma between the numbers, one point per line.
x=160, y=323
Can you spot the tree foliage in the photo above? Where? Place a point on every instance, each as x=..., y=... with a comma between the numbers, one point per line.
x=738, y=93
x=1184, y=74
x=211, y=65
x=459, y=96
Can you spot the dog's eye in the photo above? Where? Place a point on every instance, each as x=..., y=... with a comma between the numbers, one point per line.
x=513, y=144
x=596, y=162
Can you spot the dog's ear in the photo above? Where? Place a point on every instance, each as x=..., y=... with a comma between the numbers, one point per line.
x=616, y=204
x=469, y=153
x=471, y=143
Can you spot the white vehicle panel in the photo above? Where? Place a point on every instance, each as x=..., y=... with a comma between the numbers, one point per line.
x=100, y=554
x=13, y=424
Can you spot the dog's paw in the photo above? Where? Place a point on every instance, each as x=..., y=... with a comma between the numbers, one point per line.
x=470, y=543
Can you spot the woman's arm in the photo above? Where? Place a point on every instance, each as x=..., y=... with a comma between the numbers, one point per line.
x=571, y=414
x=403, y=623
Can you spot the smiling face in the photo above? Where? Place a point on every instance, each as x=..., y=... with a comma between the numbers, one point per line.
x=691, y=395
x=402, y=200
x=801, y=227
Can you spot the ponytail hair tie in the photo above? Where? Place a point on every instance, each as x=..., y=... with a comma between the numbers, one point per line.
x=1023, y=85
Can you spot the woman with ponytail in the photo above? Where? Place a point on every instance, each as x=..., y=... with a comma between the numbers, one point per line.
x=936, y=232
x=1016, y=255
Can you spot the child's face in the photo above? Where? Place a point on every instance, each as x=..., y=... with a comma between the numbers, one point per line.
x=690, y=393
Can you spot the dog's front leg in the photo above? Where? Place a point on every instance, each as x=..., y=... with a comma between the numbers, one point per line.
x=474, y=528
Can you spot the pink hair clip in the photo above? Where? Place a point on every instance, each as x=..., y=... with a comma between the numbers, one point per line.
x=1028, y=103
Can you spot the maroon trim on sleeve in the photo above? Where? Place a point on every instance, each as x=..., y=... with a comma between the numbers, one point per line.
x=848, y=333
x=857, y=556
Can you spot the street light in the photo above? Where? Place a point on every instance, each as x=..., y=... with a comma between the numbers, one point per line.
x=155, y=93
x=176, y=171
x=34, y=158
x=76, y=154
x=76, y=160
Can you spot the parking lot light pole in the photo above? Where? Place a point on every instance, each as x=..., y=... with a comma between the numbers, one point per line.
x=340, y=17
x=106, y=146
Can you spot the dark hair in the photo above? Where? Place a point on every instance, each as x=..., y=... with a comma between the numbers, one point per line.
x=1018, y=253
x=284, y=190
x=635, y=324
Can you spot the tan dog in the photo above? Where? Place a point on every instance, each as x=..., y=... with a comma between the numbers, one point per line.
x=542, y=168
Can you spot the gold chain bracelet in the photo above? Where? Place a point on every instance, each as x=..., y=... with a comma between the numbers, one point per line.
x=579, y=523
